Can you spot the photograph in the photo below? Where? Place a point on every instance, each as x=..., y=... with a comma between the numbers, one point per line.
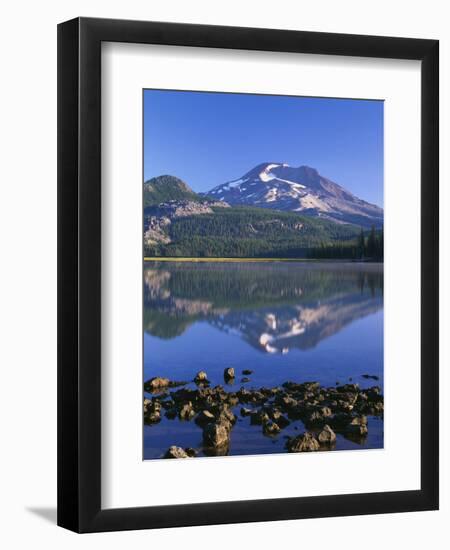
x=263, y=274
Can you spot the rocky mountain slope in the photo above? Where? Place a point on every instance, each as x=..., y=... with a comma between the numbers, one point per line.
x=298, y=189
x=167, y=188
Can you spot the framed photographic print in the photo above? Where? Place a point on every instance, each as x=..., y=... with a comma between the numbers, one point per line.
x=248, y=275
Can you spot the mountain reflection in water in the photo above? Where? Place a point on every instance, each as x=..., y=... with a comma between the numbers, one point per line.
x=274, y=307
x=272, y=322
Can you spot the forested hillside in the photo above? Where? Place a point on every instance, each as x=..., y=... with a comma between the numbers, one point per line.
x=249, y=232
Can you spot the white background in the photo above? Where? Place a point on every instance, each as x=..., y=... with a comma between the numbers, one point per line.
x=28, y=293
x=126, y=479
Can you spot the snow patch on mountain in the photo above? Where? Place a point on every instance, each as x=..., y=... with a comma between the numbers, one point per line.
x=266, y=174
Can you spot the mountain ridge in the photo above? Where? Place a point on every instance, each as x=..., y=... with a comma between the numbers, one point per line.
x=165, y=188
x=301, y=189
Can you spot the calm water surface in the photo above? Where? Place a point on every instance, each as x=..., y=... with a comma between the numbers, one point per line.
x=285, y=321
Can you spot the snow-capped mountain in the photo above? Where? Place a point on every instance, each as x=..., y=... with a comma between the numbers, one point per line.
x=299, y=189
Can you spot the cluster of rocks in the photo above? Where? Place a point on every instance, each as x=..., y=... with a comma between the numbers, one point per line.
x=324, y=411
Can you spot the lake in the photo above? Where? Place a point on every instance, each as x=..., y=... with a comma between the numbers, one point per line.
x=285, y=321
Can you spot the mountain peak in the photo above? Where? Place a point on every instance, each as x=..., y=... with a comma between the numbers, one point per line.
x=168, y=180
x=302, y=189
x=261, y=168
x=163, y=188
x=309, y=171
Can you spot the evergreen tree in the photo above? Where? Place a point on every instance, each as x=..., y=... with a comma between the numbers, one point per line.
x=361, y=244
x=371, y=243
x=381, y=244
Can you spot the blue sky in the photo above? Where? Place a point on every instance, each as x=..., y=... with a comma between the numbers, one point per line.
x=209, y=138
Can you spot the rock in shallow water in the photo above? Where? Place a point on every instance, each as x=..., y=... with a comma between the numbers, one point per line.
x=370, y=376
x=152, y=411
x=258, y=417
x=229, y=374
x=358, y=426
x=326, y=436
x=186, y=412
x=279, y=419
x=158, y=384
x=216, y=435
x=271, y=428
x=245, y=411
x=204, y=417
x=176, y=452
x=201, y=377
x=147, y=403
x=152, y=417
x=302, y=443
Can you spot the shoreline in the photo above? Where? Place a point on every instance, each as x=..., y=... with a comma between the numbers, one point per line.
x=255, y=260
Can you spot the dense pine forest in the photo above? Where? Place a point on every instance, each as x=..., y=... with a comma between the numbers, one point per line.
x=256, y=232
x=368, y=247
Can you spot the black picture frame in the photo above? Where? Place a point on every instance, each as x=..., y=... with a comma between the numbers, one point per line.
x=79, y=274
